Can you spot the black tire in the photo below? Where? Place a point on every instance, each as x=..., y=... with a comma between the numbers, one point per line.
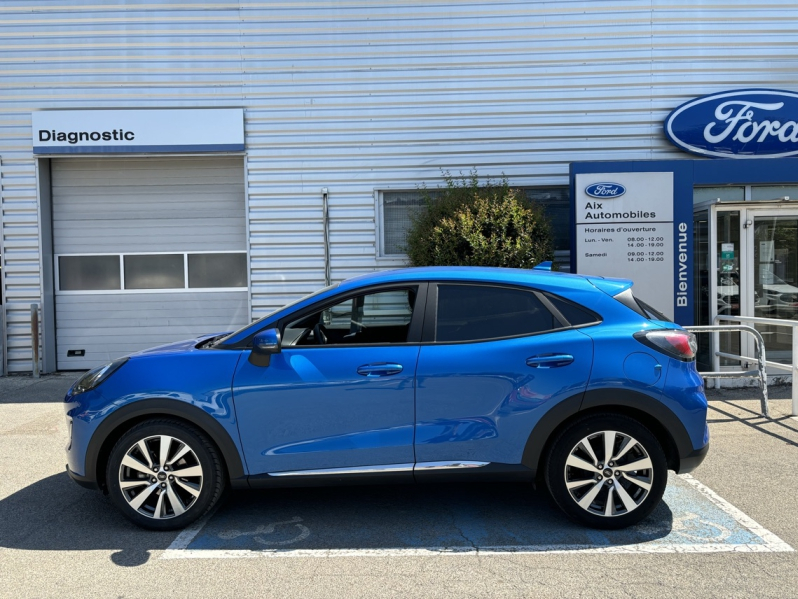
x=185, y=499
x=607, y=506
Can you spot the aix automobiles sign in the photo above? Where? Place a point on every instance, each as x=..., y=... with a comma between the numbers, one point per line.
x=748, y=123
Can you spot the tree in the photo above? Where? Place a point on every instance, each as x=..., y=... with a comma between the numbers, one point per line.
x=468, y=224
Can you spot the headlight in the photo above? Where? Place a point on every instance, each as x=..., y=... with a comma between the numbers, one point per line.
x=94, y=377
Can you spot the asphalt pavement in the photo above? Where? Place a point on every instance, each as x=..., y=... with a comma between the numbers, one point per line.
x=726, y=531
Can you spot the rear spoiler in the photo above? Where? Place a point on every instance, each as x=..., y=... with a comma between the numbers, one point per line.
x=611, y=287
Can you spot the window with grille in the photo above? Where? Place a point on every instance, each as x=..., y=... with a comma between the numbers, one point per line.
x=398, y=208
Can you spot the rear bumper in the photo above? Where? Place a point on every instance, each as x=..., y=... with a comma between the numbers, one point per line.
x=82, y=480
x=693, y=460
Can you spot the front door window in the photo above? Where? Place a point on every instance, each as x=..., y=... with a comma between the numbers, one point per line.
x=373, y=318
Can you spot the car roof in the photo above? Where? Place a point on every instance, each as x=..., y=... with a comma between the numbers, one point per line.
x=536, y=278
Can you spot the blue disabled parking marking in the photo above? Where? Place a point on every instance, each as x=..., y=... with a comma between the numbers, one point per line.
x=458, y=520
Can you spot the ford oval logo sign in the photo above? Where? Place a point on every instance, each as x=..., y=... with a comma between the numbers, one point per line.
x=605, y=190
x=748, y=123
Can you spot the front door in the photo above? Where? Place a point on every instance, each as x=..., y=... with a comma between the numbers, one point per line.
x=340, y=394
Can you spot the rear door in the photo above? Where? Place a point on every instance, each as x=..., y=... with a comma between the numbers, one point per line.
x=500, y=359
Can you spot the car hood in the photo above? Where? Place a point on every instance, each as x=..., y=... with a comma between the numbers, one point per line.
x=178, y=346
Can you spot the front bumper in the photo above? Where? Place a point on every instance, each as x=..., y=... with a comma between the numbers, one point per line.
x=82, y=480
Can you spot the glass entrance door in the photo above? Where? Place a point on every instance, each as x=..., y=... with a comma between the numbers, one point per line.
x=745, y=264
x=773, y=284
x=752, y=266
x=729, y=259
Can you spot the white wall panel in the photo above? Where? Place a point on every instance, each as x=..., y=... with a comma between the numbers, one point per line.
x=356, y=96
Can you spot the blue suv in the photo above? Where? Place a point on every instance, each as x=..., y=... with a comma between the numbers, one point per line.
x=426, y=374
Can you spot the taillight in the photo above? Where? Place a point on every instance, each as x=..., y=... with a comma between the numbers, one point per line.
x=675, y=343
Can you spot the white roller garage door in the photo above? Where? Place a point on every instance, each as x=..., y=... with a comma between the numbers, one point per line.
x=147, y=251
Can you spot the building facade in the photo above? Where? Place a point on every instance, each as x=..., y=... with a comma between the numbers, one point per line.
x=346, y=109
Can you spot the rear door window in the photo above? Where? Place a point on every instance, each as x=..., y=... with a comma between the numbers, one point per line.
x=478, y=313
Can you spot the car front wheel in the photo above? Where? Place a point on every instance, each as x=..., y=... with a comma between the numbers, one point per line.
x=606, y=471
x=164, y=474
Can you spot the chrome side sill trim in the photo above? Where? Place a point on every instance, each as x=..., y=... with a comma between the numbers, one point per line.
x=352, y=470
x=449, y=465
x=383, y=469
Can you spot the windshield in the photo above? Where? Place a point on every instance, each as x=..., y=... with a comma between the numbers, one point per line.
x=273, y=312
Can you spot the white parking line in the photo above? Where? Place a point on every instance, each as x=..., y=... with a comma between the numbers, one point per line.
x=771, y=543
x=188, y=534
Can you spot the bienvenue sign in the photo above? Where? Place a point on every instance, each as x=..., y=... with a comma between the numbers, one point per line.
x=749, y=123
x=121, y=131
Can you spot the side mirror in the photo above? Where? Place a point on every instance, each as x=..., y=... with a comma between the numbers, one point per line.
x=264, y=344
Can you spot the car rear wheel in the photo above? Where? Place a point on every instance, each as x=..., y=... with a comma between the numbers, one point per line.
x=164, y=474
x=606, y=471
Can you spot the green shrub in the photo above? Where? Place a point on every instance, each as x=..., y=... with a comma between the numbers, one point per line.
x=468, y=224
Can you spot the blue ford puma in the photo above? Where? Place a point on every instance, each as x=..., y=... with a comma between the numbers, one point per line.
x=426, y=374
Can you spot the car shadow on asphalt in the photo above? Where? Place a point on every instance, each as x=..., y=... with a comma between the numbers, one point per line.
x=452, y=516
x=54, y=514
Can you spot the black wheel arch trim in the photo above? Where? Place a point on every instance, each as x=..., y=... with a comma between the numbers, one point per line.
x=544, y=429
x=668, y=423
x=98, y=449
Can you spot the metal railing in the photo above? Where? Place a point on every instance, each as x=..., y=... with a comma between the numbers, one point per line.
x=760, y=360
x=792, y=368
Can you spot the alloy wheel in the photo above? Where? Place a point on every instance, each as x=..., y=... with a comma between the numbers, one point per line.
x=609, y=473
x=160, y=477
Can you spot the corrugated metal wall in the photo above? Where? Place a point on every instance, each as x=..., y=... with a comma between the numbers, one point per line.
x=358, y=96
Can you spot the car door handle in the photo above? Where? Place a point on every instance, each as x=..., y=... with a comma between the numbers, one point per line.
x=379, y=369
x=549, y=360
